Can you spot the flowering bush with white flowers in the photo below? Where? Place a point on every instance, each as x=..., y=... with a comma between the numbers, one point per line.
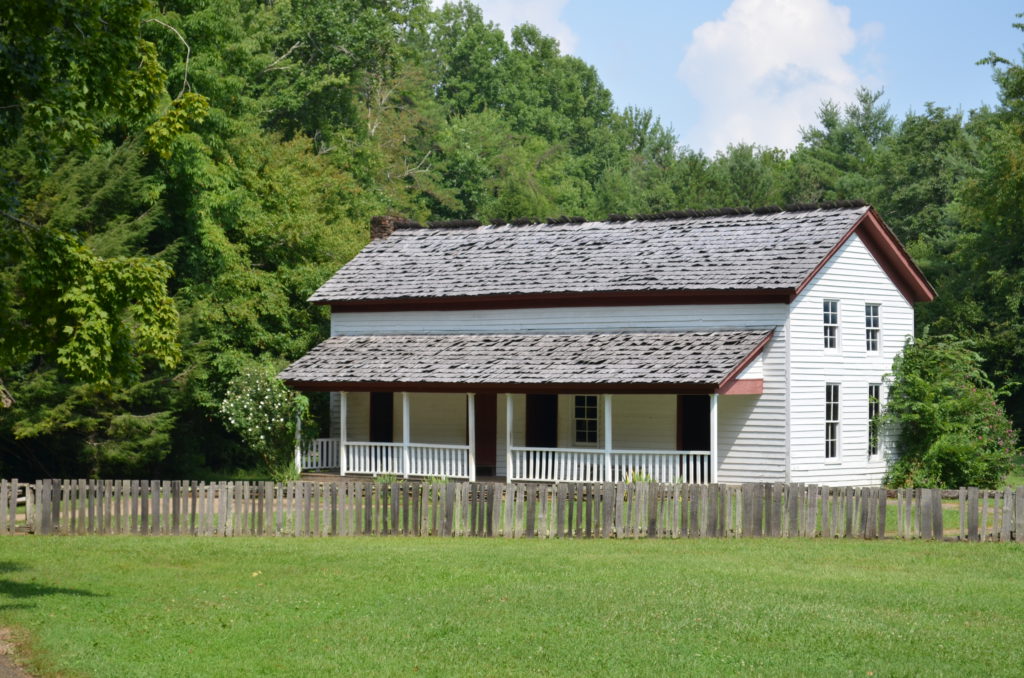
x=261, y=410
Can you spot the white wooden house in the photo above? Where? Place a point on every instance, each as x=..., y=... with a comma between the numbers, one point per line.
x=723, y=346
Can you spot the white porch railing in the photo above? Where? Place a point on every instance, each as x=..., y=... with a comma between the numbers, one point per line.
x=321, y=453
x=373, y=458
x=581, y=465
x=541, y=464
x=415, y=459
x=449, y=461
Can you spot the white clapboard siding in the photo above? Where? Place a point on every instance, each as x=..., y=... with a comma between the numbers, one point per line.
x=752, y=428
x=854, y=278
x=434, y=418
x=755, y=370
x=571, y=319
x=639, y=422
x=358, y=420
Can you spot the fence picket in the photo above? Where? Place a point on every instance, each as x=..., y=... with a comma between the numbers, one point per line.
x=1018, y=513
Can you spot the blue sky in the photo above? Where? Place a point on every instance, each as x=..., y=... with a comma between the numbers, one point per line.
x=723, y=71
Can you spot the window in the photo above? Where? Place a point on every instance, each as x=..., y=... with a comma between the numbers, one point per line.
x=830, y=308
x=872, y=326
x=585, y=420
x=831, y=421
x=874, y=409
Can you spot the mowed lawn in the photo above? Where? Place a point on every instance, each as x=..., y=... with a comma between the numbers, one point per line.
x=136, y=606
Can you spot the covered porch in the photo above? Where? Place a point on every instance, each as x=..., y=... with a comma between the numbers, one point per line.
x=538, y=437
x=581, y=407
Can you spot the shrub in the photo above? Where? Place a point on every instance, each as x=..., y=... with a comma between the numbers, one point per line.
x=262, y=411
x=950, y=430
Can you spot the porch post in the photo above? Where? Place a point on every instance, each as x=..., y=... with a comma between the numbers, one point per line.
x=508, y=437
x=298, y=442
x=342, y=432
x=471, y=434
x=405, y=434
x=608, y=438
x=714, y=438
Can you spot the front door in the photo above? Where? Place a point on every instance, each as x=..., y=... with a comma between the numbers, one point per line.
x=486, y=418
x=382, y=417
x=693, y=421
x=541, y=420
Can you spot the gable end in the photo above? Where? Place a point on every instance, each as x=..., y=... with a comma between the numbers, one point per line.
x=887, y=250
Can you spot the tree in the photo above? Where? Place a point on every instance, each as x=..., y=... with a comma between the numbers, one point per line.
x=950, y=429
x=836, y=159
x=71, y=69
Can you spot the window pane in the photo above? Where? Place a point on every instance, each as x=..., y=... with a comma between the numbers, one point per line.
x=874, y=409
x=872, y=323
x=830, y=322
x=831, y=420
x=585, y=420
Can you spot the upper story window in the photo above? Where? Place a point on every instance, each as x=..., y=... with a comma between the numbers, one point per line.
x=585, y=420
x=872, y=326
x=830, y=313
x=831, y=421
x=874, y=409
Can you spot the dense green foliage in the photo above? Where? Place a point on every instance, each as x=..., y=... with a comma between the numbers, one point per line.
x=705, y=607
x=951, y=430
x=177, y=178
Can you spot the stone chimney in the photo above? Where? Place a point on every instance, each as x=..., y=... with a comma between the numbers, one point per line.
x=383, y=226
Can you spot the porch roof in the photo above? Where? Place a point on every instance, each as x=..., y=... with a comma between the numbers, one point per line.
x=627, y=361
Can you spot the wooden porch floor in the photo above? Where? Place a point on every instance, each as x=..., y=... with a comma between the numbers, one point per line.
x=331, y=476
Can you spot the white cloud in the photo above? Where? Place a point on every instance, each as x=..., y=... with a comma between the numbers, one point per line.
x=761, y=71
x=544, y=14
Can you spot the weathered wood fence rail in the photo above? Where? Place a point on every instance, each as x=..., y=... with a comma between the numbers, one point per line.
x=623, y=510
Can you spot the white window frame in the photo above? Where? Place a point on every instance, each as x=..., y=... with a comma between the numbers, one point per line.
x=873, y=328
x=874, y=410
x=832, y=421
x=832, y=336
x=576, y=420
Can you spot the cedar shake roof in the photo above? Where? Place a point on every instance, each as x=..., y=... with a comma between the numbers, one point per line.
x=701, y=359
x=724, y=251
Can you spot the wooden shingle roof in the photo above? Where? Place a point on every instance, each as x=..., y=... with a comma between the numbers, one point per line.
x=753, y=252
x=600, y=361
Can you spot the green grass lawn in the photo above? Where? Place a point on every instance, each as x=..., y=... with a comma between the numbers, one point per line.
x=131, y=606
x=1016, y=476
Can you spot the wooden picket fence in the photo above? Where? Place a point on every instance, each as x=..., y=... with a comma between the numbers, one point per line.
x=574, y=510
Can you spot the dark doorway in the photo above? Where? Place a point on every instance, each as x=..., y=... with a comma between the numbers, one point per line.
x=486, y=418
x=693, y=422
x=382, y=417
x=541, y=420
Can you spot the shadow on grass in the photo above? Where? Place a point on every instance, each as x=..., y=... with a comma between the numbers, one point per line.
x=18, y=590
x=10, y=566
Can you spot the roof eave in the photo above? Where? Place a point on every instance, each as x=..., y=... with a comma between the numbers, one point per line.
x=564, y=299
x=449, y=387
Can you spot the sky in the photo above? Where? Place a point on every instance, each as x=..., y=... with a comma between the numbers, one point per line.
x=729, y=71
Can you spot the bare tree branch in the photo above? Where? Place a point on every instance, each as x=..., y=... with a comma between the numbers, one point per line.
x=281, y=58
x=188, y=53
